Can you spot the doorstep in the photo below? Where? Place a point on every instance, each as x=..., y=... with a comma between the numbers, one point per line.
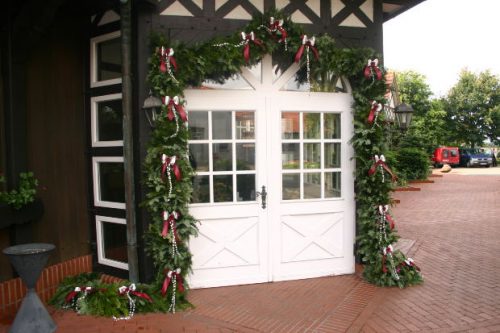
x=421, y=181
x=407, y=189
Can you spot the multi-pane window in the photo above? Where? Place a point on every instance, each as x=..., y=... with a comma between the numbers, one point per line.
x=106, y=151
x=310, y=155
x=222, y=152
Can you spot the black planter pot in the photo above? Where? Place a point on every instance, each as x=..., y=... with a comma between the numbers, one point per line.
x=10, y=216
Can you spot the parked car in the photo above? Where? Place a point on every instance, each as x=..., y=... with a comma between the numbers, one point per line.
x=470, y=157
x=445, y=155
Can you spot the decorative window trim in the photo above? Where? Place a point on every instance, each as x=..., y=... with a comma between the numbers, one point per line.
x=94, y=122
x=101, y=259
x=96, y=180
x=93, y=60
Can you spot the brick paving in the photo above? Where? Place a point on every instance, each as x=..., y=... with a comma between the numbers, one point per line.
x=455, y=226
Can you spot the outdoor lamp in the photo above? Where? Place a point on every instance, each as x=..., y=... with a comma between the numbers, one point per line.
x=152, y=108
x=404, y=113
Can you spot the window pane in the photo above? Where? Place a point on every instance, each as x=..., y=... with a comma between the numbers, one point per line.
x=290, y=125
x=222, y=157
x=109, y=60
x=235, y=82
x=297, y=82
x=311, y=125
x=198, y=156
x=201, y=189
x=312, y=185
x=332, y=126
x=115, y=241
x=332, y=155
x=332, y=185
x=223, y=188
x=109, y=120
x=245, y=156
x=221, y=125
x=198, y=125
x=291, y=186
x=245, y=125
x=111, y=182
x=312, y=155
x=290, y=155
x=245, y=187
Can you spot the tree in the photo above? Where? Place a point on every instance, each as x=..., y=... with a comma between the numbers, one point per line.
x=430, y=130
x=472, y=107
x=493, y=125
x=414, y=90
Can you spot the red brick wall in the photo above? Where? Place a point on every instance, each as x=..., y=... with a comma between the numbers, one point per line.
x=13, y=291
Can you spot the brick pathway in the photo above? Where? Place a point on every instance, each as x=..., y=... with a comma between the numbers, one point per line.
x=455, y=223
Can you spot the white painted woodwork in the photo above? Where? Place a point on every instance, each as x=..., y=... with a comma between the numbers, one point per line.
x=242, y=243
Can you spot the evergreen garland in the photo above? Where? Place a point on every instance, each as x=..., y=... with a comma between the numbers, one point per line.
x=222, y=57
x=217, y=60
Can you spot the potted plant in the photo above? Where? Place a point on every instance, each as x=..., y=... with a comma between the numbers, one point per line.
x=20, y=205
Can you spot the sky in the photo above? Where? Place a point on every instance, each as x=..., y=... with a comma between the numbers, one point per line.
x=439, y=38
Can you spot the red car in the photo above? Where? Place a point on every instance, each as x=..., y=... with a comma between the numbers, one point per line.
x=446, y=155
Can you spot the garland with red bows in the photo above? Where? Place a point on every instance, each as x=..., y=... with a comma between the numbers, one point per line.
x=219, y=59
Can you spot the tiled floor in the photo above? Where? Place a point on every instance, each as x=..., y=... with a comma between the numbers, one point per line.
x=455, y=223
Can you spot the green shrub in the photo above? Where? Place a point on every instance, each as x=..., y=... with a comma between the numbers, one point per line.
x=24, y=194
x=411, y=163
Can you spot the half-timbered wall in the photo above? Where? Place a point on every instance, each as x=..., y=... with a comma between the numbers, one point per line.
x=350, y=22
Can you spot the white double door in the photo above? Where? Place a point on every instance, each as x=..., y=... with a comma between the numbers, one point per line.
x=299, y=143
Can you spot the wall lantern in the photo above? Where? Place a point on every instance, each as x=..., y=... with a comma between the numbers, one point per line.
x=404, y=113
x=152, y=108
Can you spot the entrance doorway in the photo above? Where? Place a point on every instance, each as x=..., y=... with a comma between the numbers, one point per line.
x=274, y=191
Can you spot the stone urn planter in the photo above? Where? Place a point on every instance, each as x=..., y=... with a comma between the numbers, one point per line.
x=28, y=261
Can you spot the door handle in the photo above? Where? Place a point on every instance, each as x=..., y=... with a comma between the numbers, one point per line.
x=263, y=195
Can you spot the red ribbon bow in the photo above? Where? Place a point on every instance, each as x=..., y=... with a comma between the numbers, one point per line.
x=167, y=59
x=276, y=26
x=411, y=263
x=169, y=276
x=376, y=108
x=386, y=251
x=247, y=38
x=174, y=105
x=167, y=219
x=380, y=162
x=169, y=163
x=383, y=210
x=123, y=290
x=307, y=43
x=372, y=70
x=72, y=294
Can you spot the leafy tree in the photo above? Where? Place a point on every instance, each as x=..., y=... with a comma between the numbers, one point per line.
x=429, y=131
x=472, y=107
x=414, y=90
x=493, y=125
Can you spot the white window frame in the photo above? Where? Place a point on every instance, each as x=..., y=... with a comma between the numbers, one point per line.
x=101, y=259
x=97, y=186
x=322, y=170
x=93, y=60
x=233, y=141
x=94, y=101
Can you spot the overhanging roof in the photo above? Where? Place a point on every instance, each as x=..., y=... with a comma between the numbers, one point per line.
x=392, y=8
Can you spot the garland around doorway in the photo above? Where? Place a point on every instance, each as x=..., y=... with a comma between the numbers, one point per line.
x=175, y=66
